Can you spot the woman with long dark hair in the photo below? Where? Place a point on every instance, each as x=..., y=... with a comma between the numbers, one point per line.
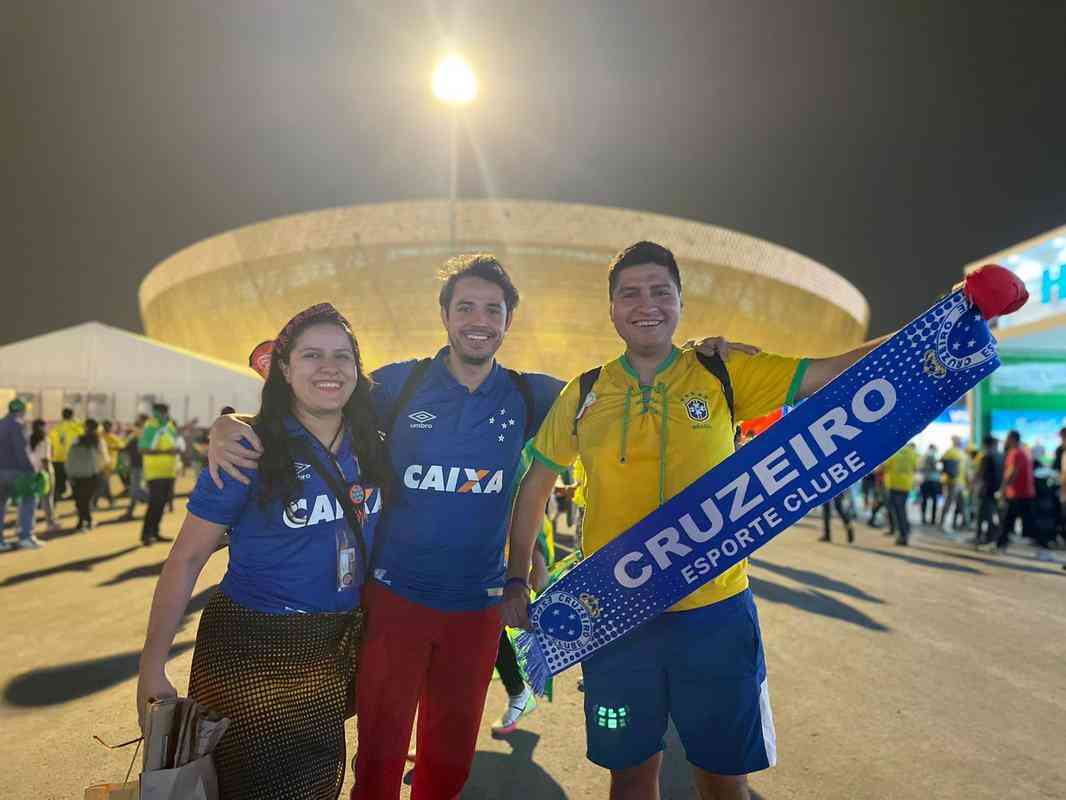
x=276, y=650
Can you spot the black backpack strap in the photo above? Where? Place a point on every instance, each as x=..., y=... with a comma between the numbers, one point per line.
x=521, y=383
x=585, y=384
x=715, y=366
x=414, y=379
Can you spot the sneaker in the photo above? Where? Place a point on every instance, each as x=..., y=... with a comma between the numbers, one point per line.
x=824, y=538
x=79, y=528
x=54, y=526
x=851, y=535
x=31, y=543
x=5, y=546
x=517, y=707
x=901, y=542
x=161, y=538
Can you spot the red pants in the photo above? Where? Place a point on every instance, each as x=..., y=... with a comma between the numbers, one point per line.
x=439, y=662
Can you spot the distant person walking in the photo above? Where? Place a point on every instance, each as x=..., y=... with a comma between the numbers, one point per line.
x=62, y=436
x=17, y=475
x=952, y=478
x=86, y=460
x=41, y=456
x=899, y=480
x=930, y=485
x=840, y=503
x=987, y=478
x=1019, y=490
x=158, y=446
x=136, y=462
x=113, y=445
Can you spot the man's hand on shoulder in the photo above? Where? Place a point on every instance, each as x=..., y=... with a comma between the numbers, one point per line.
x=718, y=345
x=232, y=444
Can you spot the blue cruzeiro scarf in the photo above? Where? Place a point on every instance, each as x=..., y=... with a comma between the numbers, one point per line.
x=830, y=441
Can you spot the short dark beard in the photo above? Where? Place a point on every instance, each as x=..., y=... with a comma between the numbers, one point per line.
x=473, y=361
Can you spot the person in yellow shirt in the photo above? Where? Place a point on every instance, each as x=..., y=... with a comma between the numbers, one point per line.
x=899, y=480
x=62, y=437
x=952, y=479
x=654, y=420
x=159, y=448
x=114, y=445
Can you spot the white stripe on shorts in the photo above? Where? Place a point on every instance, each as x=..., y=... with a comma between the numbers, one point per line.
x=769, y=737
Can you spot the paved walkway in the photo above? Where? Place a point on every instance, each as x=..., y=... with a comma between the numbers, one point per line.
x=924, y=672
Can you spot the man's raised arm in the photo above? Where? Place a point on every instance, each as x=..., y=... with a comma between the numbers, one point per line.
x=822, y=370
x=226, y=452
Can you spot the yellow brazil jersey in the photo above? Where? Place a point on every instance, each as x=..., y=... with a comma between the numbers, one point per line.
x=62, y=436
x=900, y=469
x=641, y=445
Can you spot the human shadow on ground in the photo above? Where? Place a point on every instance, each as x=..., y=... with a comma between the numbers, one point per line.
x=503, y=776
x=816, y=580
x=814, y=602
x=81, y=565
x=143, y=571
x=916, y=560
x=51, y=685
x=996, y=561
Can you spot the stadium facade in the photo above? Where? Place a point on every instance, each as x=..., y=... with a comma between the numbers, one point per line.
x=378, y=264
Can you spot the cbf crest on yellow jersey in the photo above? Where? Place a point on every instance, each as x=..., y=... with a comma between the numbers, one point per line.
x=641, y=445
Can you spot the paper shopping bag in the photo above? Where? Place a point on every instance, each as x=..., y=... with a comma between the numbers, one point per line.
x=112, y=791
x=194, y=781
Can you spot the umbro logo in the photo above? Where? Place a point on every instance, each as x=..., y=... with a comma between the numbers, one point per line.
x=303, y=471
x=421, y=419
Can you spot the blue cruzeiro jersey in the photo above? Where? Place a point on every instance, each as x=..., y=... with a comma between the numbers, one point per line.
x=455, y=455
x=284, y=561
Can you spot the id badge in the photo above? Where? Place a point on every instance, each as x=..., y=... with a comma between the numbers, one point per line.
x=345, y=560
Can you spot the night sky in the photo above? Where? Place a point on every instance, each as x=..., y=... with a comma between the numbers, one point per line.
x=892, y=141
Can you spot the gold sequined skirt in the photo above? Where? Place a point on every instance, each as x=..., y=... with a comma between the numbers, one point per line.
x=285, y=681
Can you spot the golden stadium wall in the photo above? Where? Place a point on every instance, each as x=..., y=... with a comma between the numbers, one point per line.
x=378, y=265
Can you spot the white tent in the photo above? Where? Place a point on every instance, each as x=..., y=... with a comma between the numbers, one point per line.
x=107, y=373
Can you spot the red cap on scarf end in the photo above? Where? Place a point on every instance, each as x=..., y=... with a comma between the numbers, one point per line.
x=995, y=290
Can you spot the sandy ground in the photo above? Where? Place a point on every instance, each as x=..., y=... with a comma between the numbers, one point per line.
x=927, y=672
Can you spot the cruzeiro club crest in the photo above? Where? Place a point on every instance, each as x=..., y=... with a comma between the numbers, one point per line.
x=564, y=618
x=962, y=340
x=696, y=407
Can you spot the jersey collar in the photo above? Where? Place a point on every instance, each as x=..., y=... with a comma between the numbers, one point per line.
x=668, y=362
x=443, y=374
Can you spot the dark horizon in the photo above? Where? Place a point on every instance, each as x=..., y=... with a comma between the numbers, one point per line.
x=893, y=143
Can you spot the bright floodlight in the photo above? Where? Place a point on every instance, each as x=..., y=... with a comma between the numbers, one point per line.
x=454, y=81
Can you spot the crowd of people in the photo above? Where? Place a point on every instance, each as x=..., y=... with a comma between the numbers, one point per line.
x=994, y=495
x=81, y=460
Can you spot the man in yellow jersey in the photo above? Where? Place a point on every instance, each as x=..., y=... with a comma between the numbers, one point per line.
x=62, y=437
x=952, y=480
x=158, y=446
x=655, y=420
x=899, y=480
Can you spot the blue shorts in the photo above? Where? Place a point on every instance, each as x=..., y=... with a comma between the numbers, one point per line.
x=702, y=668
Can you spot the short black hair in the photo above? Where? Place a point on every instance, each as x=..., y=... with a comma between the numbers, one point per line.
x=642, y=253
x=476, y=265
x=989, y=440
x=1015, y=435
x=68, y=413
x=162, y=408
